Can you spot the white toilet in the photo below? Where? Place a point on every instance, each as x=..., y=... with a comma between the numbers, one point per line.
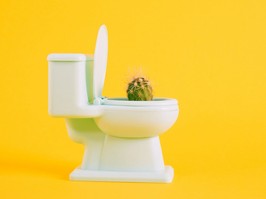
x=121, y=137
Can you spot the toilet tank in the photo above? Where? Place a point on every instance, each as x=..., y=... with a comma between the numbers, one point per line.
x=69, y=83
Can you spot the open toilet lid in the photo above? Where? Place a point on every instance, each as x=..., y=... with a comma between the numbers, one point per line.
x=100, y=61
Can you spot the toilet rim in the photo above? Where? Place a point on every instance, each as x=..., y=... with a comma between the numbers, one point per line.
x=159, y=101
x=157, y=104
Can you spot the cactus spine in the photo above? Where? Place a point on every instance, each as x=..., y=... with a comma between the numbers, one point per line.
x=139, y=89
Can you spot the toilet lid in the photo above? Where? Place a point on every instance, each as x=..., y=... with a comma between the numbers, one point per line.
x=100, y=61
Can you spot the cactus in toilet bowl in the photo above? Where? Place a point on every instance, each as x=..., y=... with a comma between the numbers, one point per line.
x=139, y=89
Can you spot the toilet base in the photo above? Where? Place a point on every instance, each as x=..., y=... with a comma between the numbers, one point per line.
x=165, y=176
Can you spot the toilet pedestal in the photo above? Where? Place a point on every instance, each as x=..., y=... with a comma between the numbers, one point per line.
x=128, y=160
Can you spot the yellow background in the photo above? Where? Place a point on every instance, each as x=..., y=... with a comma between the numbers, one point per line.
x=210, y=55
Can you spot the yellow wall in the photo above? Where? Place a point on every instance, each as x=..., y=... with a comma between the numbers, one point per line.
x=210, y=55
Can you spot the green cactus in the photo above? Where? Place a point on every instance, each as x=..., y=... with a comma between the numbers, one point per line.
x=139, y=89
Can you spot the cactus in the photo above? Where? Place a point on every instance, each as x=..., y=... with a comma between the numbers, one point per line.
x=139, y=89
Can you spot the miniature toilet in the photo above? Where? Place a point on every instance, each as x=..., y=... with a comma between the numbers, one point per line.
x=121, y=137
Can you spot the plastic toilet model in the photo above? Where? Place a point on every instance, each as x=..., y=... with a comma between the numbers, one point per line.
x=121, y=137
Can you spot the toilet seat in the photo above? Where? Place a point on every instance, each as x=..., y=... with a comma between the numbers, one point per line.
x=126, y=102
x=158, y=104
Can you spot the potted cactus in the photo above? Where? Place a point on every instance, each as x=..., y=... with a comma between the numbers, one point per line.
x=139, y=89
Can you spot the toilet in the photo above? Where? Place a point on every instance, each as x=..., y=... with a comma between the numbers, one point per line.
x=121, y=137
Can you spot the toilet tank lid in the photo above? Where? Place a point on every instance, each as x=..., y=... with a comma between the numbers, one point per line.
x=69, y=57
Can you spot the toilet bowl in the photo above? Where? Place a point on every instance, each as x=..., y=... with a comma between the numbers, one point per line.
x=121, y=137
x=137, y=119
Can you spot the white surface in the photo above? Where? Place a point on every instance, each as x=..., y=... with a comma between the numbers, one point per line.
x=164, y=176
x=100, y=61
x=86, y=132
x=125, y=102
x=109, y=158
x=122, y=154
x=67, y=57
x=120, y=121
x=67, y=91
